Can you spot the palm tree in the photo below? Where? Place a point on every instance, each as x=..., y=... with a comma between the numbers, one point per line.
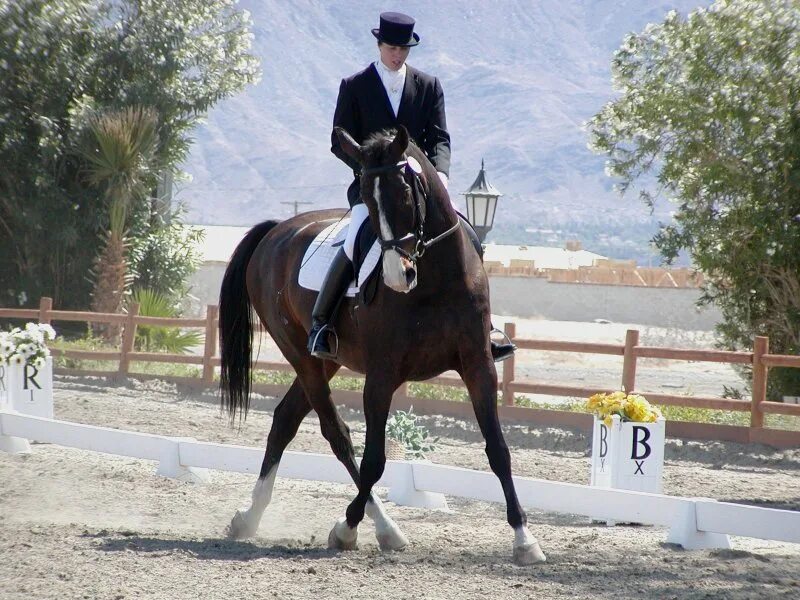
x=120, y=155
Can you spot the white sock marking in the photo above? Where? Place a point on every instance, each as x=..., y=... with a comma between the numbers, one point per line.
x=344, y=532
x=377, y=513
x=262, y=495
x=523, y=537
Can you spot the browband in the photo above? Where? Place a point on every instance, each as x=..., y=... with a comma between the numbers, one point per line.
x=384, y=168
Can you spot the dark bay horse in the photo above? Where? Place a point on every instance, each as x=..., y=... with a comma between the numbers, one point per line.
x=431, y=316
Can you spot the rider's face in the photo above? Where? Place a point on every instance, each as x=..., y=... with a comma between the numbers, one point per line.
x=393, y=56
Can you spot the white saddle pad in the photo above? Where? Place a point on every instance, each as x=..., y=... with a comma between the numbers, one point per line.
x=320, y=253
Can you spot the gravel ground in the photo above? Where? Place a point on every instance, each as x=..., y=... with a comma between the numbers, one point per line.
x=76, y=524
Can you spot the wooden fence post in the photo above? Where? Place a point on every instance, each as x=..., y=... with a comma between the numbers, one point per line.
x=45, y=306
x=128, y=338
x=510, y=330
x=210, y=343
x=760, y=348
x=629, y=361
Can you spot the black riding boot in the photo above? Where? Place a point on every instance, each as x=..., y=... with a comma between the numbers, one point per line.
x=336, y=282
x=500, y=352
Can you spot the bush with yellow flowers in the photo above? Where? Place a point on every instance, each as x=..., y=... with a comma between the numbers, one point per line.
x=629, y=407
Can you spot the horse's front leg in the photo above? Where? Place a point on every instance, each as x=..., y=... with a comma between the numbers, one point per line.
x=480, y=377
x=377, y=400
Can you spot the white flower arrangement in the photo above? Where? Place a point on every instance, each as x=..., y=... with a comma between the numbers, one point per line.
x=26, y=346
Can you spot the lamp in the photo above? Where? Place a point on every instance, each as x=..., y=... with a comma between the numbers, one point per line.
x=481, y=200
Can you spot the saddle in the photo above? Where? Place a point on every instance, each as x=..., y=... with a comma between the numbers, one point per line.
x=366, y=259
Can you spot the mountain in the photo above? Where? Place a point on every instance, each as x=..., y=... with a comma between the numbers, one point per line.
x=520, y=78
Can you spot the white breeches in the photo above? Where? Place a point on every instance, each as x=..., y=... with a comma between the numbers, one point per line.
x=358, y=214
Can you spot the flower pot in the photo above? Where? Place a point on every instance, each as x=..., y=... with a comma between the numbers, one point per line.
x=628, y=455
x=30, y=388
x=395, y=450
x=4, y=402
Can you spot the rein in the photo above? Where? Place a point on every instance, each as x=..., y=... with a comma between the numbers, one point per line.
x=420, y=209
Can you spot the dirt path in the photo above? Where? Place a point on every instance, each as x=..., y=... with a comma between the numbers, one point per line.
x=75, y=524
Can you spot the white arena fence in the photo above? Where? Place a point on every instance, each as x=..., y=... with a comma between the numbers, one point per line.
x=693, y=523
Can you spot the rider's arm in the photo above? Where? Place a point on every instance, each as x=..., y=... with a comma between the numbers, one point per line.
x=437, y=140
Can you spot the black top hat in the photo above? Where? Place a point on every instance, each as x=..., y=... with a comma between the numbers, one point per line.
x=396, y=29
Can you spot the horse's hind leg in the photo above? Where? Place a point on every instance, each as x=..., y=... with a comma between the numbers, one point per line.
x=336, y=431
x=480, y=377
x=286, y=420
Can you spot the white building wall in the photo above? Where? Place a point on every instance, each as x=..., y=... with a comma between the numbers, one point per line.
x=533, y=297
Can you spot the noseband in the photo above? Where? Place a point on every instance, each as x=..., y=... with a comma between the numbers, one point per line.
x=420, y=211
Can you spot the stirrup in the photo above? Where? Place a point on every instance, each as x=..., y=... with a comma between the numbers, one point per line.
x=504, y=334
x=323, y=353
x=504, y=351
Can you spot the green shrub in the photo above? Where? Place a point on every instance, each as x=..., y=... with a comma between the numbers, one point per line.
x=402, y=427
x=162, y=339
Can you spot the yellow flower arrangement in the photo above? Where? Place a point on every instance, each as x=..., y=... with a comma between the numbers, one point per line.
x=629, y=407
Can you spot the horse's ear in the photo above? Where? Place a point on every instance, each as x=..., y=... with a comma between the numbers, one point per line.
x=399, y=144
x=351, y=147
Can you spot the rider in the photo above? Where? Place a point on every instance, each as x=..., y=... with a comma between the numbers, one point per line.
x=386, y=94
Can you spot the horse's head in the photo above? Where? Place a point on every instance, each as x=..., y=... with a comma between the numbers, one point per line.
x=396, y=212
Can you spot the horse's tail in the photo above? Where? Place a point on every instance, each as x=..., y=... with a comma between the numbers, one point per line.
x=236, y=325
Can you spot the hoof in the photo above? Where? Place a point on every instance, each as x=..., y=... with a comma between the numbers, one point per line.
x=239, y=528
x=350, y=541
x=392, y=540
x=529, y=554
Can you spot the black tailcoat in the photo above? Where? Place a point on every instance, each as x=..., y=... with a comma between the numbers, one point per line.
x=363, y=108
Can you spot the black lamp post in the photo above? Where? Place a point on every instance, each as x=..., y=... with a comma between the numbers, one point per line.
x=481, y=204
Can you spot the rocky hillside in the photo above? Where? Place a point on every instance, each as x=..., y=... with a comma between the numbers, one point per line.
x=520, y=78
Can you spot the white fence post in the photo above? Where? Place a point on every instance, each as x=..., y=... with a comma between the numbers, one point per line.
x=403, y=492
x=171, y=465
x=685, y=533
x=9, y=443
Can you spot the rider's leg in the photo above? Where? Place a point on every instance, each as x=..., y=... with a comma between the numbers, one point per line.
x=499, y=351
x=338, y=278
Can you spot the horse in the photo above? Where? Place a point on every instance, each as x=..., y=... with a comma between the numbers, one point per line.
x=431, y=315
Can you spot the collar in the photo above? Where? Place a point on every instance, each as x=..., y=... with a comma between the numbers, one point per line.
x=386, y=73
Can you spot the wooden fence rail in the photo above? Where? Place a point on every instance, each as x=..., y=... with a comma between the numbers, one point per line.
x=630, y=352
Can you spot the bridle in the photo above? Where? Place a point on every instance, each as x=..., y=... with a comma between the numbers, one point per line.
x=420, y=196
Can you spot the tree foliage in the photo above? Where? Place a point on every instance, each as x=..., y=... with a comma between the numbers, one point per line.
x=119, y=154
x=708, y=115
x=164, y=257
x=62, y=61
